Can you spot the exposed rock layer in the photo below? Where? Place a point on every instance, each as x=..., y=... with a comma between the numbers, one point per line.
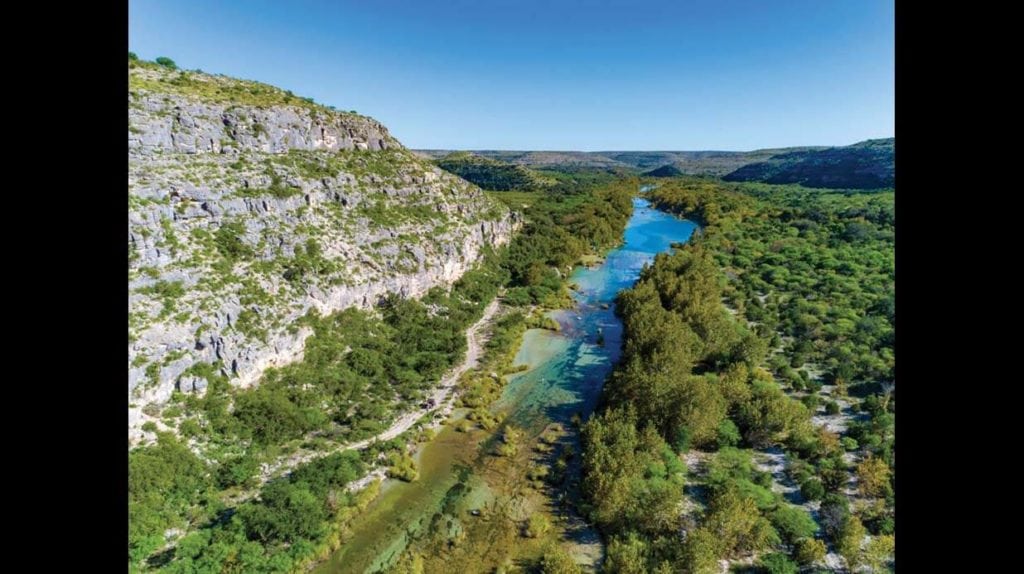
x=244, y=217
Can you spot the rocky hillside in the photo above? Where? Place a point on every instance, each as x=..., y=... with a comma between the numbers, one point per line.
x=249, y=207
x=869, y=164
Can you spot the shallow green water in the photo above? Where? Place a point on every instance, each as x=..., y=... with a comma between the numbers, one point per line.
x=567, y=372
x=571, y=366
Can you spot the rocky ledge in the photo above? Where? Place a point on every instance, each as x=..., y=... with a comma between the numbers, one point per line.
x=249, y=207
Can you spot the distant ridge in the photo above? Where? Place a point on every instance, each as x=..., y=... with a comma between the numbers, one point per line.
x=667, y=170
x=714, y=163
x=869, y=164
x=492, y=174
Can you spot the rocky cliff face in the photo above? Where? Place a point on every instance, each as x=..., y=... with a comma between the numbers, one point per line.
x=250, y=207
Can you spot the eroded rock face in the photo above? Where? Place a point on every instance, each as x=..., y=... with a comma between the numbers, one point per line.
x=243, y=218
x=190, y=126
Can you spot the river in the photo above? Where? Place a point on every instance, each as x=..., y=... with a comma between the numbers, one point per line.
x=466, y=511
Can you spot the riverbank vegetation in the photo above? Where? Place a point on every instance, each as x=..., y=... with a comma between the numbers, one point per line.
x=730, y=344
x=510, y=520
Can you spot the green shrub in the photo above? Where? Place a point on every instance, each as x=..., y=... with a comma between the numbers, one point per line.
x=537, y=525
x=163, y=479
x=728, y=434
x=237, y=471
x=167, y=63
x=793, y=523
x=228, y=240
x=812, y=489
x=403, y=467
x=810, y=550
x=778, y=563
x=556, y=560
x=811, y=402
x=286, y=513
x=189, y=428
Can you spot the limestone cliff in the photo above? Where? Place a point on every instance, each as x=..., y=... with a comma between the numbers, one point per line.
x=249, y=206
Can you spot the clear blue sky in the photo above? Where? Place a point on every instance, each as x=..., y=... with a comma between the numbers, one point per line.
x=583, y=75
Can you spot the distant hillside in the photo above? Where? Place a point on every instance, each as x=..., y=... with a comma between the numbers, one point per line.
x=869, y=164
x=540, y=159
x=492, y=174
x=714, y=163
x=667, y=170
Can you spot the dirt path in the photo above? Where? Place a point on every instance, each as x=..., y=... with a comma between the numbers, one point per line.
x=442, y=396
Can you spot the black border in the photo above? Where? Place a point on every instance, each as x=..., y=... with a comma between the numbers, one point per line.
x=89, y=294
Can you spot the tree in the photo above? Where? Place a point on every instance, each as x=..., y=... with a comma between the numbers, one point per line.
x=810, y=550
x=778, y=563
x=162, y=481
x=700, y=408
x=700, y=552
x=736, y=523
x=850, y=541
x=537, y=526
x=793, y=523
x=873, y=477
x=728, y=434
x=812, y=489
x=627, y=556
x=285, y=513
x=167, y=63
x=271, y=417
x=132, y=56
x=557, y=561
x=878, y=552
x=628, y=477
x=832, y=515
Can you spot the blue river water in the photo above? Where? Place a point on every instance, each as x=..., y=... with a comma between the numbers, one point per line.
x=566, y=374
x=569, y=367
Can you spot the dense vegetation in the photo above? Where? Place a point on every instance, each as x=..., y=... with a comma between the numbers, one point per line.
x=360, y=369
x=285, y=526
x=694, y=376
x=870, y=164
x=562, y=227
x=814, y=271
x=492, y=174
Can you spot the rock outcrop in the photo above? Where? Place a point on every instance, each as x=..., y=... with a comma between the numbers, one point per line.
x=250, y=207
